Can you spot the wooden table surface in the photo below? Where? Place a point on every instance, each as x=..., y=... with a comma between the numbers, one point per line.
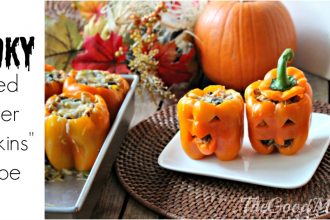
x=115, y=202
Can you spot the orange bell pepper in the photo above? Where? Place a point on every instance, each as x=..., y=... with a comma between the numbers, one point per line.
x=53, y=81
x=111, y=87
x=75, y=129
x=211, y=121
x=279, y=109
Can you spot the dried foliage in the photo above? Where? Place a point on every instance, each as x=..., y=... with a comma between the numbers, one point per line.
x=158, y=35
x=63, y=41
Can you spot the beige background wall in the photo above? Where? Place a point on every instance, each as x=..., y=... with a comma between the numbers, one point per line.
x=312, y=22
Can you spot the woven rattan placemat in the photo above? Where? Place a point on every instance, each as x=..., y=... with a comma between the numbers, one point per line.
x=178, y=195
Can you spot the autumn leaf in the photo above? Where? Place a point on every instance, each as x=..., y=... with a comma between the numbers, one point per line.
x=99, y=54
x=63, y=41
x=173, y=66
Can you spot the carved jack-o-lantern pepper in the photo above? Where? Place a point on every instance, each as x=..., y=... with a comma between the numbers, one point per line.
x=211, y=121
x=279, y=109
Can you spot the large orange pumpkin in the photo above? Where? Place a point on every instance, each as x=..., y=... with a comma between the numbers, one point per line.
x=240, y=42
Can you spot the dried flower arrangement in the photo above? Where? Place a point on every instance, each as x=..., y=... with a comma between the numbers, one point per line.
x=153, y=39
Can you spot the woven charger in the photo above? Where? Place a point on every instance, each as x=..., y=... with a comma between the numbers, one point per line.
x=179, y=195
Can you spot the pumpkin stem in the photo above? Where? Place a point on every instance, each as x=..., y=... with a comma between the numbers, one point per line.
x=283, y=81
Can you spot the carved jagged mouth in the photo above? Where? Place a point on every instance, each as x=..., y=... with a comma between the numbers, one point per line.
x=204, y=140
x=271, y=142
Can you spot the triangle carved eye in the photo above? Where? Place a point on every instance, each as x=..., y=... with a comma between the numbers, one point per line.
x=215, y=118
x=288, y=122
x=262, y=124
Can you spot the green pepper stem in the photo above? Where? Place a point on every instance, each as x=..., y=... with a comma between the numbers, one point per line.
x=283, y=81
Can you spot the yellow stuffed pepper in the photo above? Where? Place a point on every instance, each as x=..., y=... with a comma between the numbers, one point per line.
x=75, y=128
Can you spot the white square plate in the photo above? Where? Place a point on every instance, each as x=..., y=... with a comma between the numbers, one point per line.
x=274, y=170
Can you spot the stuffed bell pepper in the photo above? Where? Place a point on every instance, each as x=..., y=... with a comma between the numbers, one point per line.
x=279, y=109
x=75, y=128
x=53, y=81
x=211, y=122
x=111, y=87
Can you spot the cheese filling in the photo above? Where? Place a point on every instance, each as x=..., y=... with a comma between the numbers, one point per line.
x=217, y=97
x=54, y=75
x=71, y=108
x=261, y=98
x=96, y=78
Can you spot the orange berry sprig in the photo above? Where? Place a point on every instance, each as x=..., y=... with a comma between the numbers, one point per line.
x=119, y=52
x=143, y=60
x=143, y=27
